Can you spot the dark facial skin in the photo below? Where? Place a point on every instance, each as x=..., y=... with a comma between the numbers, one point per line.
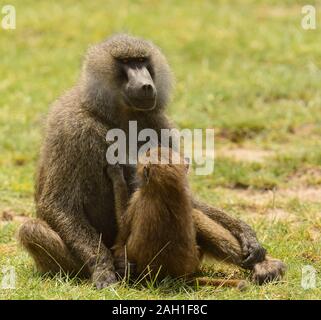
x=138, y=91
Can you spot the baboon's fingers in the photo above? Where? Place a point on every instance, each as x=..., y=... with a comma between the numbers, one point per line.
x=253, y=253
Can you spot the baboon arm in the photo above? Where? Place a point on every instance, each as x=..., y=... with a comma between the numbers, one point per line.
x=219, y=243
x=125, y=230
x=119, y=249
x=121, y=198
x=252, y=251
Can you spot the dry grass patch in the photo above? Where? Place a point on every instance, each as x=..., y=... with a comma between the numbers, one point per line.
x=248, y=155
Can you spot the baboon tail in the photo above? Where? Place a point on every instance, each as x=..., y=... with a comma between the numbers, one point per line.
x=235, y=283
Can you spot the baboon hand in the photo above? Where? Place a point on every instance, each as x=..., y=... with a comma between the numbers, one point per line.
x=103, y=279
x=253, y=253
x=252, y=250
x=115, y=171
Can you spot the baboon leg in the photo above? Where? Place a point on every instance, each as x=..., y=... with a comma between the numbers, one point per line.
x=47, y=249
x=219, y=243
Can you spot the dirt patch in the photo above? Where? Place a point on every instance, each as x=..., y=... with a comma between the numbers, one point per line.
x=266, y=11
x=280, y=215
x=305, y=176
x=255, y=198
x=311, y=257
x=305, y=130
x=270, y=204
x=8, y=249
x=248, y=155
x=8, y=215
x=315, y=234
x=309, y=194
x=261, y=204
x=239, y=133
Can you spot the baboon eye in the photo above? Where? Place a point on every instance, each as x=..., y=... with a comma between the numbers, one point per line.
x=151, y=71
x=125, y=61
x=141, y=59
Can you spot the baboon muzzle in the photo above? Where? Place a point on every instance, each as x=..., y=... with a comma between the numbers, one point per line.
x=140, y=89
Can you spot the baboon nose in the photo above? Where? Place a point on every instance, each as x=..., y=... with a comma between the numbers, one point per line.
x=147, y=90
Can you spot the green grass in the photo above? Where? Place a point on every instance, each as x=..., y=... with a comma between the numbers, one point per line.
x=243, y=67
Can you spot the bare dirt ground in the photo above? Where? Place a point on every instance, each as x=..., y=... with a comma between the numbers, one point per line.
x=8, y=215
x=303, y=186
x=250, y=155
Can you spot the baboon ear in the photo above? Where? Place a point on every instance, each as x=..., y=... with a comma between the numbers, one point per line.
x=146, y=173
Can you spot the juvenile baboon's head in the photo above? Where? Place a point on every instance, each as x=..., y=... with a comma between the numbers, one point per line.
x=128, y=71
x=162, y=168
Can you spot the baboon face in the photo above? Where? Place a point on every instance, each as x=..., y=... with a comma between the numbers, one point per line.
x=138, y=87
x=132, y=71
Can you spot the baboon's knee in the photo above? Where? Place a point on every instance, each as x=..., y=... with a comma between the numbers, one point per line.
x=37, y=238
x=46, y=247
x=32, y=232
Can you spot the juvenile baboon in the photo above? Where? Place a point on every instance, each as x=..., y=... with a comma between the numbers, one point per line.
x=156, y=231
x=123, y=78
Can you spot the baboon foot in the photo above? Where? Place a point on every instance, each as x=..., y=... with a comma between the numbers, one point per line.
x=268, y=270
x=103, y=278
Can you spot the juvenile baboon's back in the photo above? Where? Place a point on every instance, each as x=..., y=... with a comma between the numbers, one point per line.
x=161, y=239
x=162, y=232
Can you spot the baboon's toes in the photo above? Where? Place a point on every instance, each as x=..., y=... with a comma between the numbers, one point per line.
x=104, y=280
x=268, y=270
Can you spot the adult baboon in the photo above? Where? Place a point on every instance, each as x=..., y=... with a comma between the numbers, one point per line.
x=124, y=78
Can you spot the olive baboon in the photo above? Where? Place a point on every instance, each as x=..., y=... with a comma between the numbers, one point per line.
x=124, y=78
x=156, y=231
